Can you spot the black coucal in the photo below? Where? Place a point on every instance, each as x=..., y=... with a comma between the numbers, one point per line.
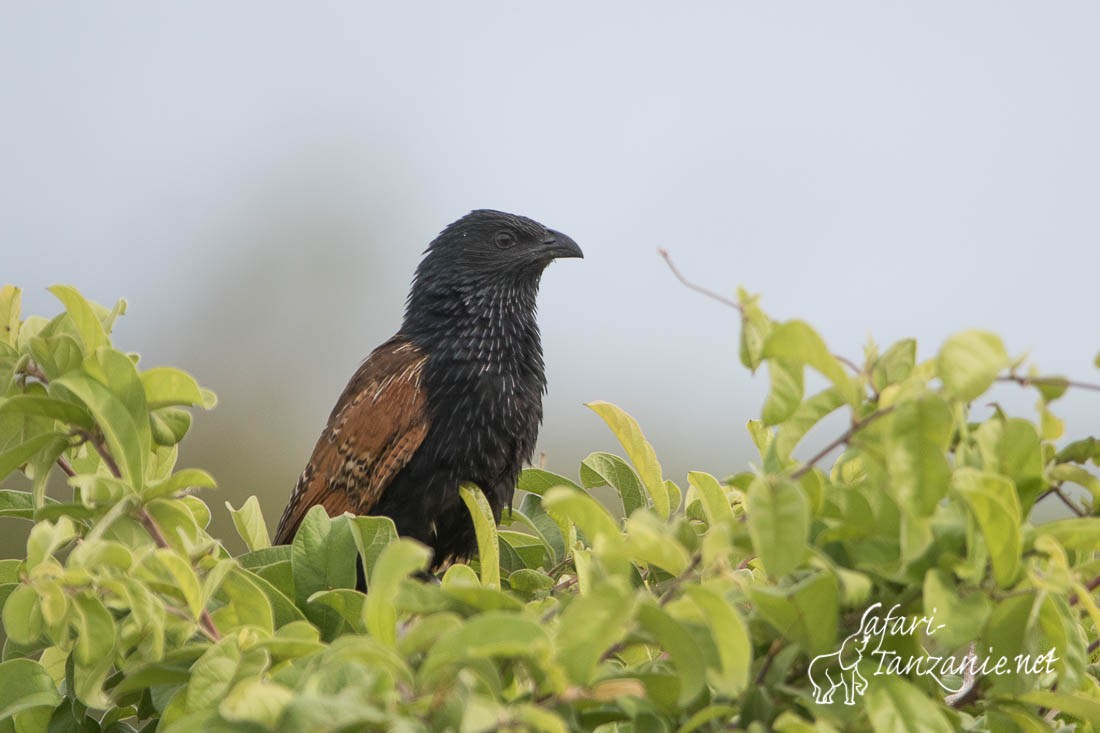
x=454, y=396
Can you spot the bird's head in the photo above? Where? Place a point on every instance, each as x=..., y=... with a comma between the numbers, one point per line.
x=492, y=245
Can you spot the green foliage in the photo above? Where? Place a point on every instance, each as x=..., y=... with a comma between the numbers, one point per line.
x=693, y=611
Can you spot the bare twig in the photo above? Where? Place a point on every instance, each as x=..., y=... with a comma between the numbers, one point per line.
x=857, y=425
x=1048, y=381
x=65, y=466
x=697, y=288
x=676, y=582
x=100, y=448
x=566, y=584
x=848, y=363
x=150, y=524
x=147, y=521
x=970, y=682
x=732, y=303
x=1057, y=491
x=775, y=648
x=207, y=632
x=31, y=370
x=1089, y=586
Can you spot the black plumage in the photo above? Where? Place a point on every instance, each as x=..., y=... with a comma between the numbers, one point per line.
x=454, y=396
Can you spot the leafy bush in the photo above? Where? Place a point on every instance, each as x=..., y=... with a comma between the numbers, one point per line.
x=706, y=608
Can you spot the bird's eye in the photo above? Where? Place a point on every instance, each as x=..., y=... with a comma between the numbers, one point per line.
x=504, y=240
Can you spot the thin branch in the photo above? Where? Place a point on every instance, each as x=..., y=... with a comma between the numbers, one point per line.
x=857, y=425
x=970, y=683
x=565, y=584
x=676, y=582
x=1089, y=586
x=66, y=467
x=697, y=288
x=101, y=449
x=179, y=612
x=773, y=650
x=31, y=370
x=1048, y=381
x=147, y=521
x=150, y=524
x=1057, y=491
x=848, y=363
x=732, y=303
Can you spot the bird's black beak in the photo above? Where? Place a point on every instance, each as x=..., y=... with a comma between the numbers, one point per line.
x=559, y=245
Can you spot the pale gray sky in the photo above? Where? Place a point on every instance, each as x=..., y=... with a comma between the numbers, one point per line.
x=259, y=179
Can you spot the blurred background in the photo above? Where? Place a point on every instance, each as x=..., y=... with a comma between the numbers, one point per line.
x=259, y=179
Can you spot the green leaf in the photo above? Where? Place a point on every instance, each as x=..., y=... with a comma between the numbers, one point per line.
x=806, y=613
x=993, y=502
x=681, y=647
x=916, y=440
x=755, y=329
x=56, y=355
x=786, y=391
x=398, y=560
x=731, y=637
x=169, y=425
x=256, y=701
x=24, y=685
x=590, y=625
x=172, y=574
x=87, y=323
x=1012, y=447
x=25, y=451
x=1077, y=475
x=323, y=557
x=348, y=603
x=895, y=706
x=249, y=521
x=1083, y=707
x=969, y=361
x=485, y=527
x=647, y=540
x=490, y=635
x=372, y=535
x=16, y=504
x=248, y=602
x=530, y=550
x=188, y=478
x=49, y=407
x=797, y=342
x=553, y=533
x=11, y=299
x=23, y=615
x=808, y=414
x=962, y=618
x=588, y=514
x=605, y=469
x=119, y=428
x=1080, y=451
x=639, y=451
x=95, y=630
x=526, y=580
x=537, y=481
x=168, y=386
x=1074, y=534
x=715, y=501
x=282, y=606
x=46, y=538
x=779, y=524
x=895, y=365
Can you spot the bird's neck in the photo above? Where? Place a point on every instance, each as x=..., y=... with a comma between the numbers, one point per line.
x=492, y=324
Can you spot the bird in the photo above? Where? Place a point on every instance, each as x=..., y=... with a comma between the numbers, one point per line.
x=454, y=396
